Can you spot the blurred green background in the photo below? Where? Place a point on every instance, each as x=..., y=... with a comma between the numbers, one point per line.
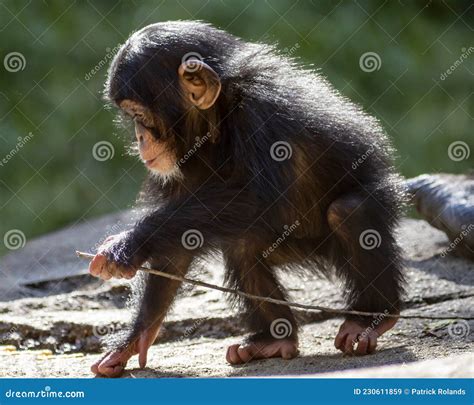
x=53, y=100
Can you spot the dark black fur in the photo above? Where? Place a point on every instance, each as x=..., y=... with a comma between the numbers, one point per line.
x=238, y=196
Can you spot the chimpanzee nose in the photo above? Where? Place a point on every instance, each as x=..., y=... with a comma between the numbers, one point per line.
x=140, y=133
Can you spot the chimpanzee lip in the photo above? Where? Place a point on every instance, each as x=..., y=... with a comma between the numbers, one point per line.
x=149, y=162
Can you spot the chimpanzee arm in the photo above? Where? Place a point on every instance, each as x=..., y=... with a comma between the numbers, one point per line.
x=151, y=299
x=192, y=226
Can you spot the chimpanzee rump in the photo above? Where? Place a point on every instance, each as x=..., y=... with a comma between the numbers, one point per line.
x=244, y=146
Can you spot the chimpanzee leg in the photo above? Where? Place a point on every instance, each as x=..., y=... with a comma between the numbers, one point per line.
x=273, y=327
x=369, y=261
x=153, y=296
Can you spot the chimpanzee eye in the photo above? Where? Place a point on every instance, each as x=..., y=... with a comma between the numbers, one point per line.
x=152, y=129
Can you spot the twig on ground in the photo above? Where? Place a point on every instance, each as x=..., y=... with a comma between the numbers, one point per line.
x=287, y=303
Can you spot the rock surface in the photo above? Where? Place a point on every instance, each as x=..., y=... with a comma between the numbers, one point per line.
x=52, y=315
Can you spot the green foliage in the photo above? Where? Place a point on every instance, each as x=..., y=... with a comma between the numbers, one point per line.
x=53, y=179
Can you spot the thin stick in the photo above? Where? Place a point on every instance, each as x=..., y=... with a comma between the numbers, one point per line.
x=280, y=302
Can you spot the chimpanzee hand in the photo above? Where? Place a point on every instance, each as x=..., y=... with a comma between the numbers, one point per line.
x=114, y=259
x=113, y=363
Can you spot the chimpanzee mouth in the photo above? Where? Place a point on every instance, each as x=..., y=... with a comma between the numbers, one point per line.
x=152, y=162
x=149, y=162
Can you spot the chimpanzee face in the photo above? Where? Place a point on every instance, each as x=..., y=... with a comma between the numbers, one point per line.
x=157, y=154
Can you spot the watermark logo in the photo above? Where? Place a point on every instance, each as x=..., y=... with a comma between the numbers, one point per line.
x=281, y=328
x=280, y=151
x=190, y=330
x=102, y=330
x=22, y=141
x=288, y=230
x=108, y=56
x=46, y=392
x=370, y=239
x=191, y=61
x=14, y=62
x=199, y=142
x=458, y=62
x=458, y=151
x=111, y=233
x=103, y=151
x=192, y=239
x=291, y=50
x=459, y=329
x=367, y=331
x=465, y=231
x=370, y=62
x=362, y=158
x=14, y=239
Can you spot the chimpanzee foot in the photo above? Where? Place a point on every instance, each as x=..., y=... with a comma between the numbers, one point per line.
x=284, y=348
x=356, y=338
x=114, y=362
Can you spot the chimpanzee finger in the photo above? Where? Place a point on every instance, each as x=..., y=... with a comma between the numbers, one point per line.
x=115, y=270
x=289, y=352
x=105, y=273
x=113, y=370
x=362, y=345
x=340, y=340
x=351, y=340
x=127, y=272
x=372, y=343
x=232, y=356
x=244, y=354
x=114, y=364
x=111, y=365
x=142, y=354
x=96, y=264
x=95, y=366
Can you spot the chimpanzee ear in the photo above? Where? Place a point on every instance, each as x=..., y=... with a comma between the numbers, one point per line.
x=200, y=83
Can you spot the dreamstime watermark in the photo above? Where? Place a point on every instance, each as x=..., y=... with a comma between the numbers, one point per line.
x=370, y=62
x=108, y=56
x=100, y=331
x=367, y=331
x=363, y=157
x=459, y=150
x=281, y=328
x=292, y=49
x=14, y=62
x=114, y=230
x=280, y=151
x=288, y=230
x=46, y=392
x=102, y=151
x=190, y=330
x=370, y=239
x=191, y=61
x=458, y=62
x=22, y=141
x=10, y=335
x=466, y=230
x=459, y=329
x=14, y=239
x=192, y=239
x=199, y=142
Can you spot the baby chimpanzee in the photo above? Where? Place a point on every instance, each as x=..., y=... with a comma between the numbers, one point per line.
x=252, y=156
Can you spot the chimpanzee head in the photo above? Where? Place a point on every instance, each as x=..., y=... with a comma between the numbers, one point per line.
x=168, y=77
